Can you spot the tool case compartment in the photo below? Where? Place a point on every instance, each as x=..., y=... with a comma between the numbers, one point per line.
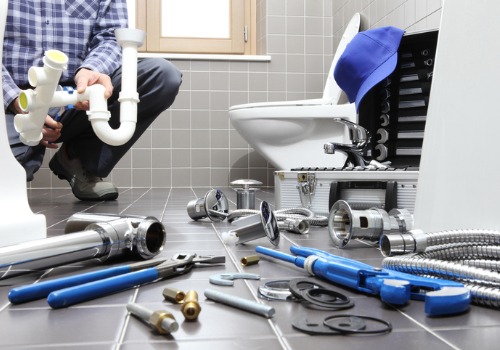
x=394, y=112
x=317, y=190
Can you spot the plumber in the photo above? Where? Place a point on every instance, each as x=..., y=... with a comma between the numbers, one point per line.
x=84, y=31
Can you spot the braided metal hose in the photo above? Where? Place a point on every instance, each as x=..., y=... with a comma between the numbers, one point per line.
x=484, y=284
x=283, y=214
x=461, y=251
x=416, y=241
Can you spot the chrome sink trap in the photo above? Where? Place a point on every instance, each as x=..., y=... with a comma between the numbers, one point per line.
x=89, y=236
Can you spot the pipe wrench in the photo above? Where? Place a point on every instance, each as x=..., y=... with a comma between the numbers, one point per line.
x=442, y=297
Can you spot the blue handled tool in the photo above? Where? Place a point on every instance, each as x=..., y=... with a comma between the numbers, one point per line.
x=442, y=297
x=66, y=291
x=24, y=294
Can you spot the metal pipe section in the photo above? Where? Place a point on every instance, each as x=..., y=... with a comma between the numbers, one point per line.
x=256, y=226
x=141, y=238
x=345, y=223
x=213, y=205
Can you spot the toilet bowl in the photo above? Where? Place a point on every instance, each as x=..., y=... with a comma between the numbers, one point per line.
x=291, y=134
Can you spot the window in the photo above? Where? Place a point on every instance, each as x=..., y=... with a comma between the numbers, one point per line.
x=198, y=26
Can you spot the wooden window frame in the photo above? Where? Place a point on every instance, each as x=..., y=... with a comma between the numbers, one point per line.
x=243, y=17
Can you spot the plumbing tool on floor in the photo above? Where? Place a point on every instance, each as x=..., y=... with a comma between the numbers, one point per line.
x=262, y=224
x=345, y=224
x=245, y=195
x=442, y=297
x=213, y=205
x=190, y=307
x=161, y=321
x=67, y=291
x=139, y=237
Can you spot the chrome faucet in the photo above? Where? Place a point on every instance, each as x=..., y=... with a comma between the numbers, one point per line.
x=360, y=138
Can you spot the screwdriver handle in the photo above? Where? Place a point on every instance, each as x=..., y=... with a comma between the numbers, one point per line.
x=40, y=290
x=88, y=291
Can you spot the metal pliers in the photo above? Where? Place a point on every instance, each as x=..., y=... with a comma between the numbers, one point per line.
x=66, y=291
x=442, y=297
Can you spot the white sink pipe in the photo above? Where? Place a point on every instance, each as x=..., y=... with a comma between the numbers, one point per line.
x=47, y=95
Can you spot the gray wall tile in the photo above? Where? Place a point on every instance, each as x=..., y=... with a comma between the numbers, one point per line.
x=194, y=144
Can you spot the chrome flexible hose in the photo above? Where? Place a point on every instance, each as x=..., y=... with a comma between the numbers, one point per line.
x=486, y=296
x=282, y=214
x=471, y=257
x=483, y=284
x=443, y=269
x=492, y=265
x=461, y=251
x=487, y=237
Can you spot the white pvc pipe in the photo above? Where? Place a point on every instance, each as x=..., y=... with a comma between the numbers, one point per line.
x=47, y=95
x=45, y=80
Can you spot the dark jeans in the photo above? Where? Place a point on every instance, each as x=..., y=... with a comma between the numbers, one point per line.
x=158, y=83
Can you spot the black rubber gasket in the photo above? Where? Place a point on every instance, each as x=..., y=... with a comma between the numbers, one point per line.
x=299, y=285
x=305, y=290
x=344, y=326
x=337, y=299
x=313, y=328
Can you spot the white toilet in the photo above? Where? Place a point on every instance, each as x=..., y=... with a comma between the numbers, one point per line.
x=291, y=134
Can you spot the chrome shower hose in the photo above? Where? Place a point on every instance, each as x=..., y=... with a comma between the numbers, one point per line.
x=470, y=257
x=283, y=214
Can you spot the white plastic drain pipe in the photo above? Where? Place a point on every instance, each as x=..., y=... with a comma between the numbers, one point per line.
x=46, y=95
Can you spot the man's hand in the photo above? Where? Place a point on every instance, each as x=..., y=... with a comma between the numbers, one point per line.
x=86, y=77
x=50, y=132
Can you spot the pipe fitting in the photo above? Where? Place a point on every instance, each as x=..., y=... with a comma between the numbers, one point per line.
x=345, y=223
x=250, y=260
x=173, y=295
x=245, y=195
x=256, y=226
x=46, y=95
x=143, y=238
x=214, y=206
x=190, y=307
x=295, y=225
x=413, y=241
x=161, y=321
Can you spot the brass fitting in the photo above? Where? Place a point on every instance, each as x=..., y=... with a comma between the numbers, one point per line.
x=163, y=322
x=173, y=295
x=250, y=260
x=191, y=308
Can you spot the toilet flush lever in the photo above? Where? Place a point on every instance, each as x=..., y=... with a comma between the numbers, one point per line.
x=360, y=138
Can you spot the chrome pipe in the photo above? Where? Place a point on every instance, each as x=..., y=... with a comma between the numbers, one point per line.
x=143, y=238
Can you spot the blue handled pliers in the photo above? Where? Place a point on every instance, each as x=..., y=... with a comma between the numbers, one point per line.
x=442, y=297
x=66, y=291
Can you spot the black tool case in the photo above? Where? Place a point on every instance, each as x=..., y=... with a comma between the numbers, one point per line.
x=394, y=112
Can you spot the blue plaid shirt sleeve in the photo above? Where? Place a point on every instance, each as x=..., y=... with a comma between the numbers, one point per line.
x=104, y=54
x=10, y=89
x=82, y=29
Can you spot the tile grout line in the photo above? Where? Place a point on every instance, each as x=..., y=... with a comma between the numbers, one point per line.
x=427, y=329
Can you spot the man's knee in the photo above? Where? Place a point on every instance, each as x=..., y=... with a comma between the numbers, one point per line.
x=162, y=80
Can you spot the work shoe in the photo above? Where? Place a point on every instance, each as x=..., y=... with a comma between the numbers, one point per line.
x=85, y=186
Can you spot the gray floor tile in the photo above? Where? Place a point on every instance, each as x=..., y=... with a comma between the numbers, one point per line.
x=104, y=323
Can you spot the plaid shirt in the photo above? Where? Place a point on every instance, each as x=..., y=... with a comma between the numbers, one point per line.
x=82, y=29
